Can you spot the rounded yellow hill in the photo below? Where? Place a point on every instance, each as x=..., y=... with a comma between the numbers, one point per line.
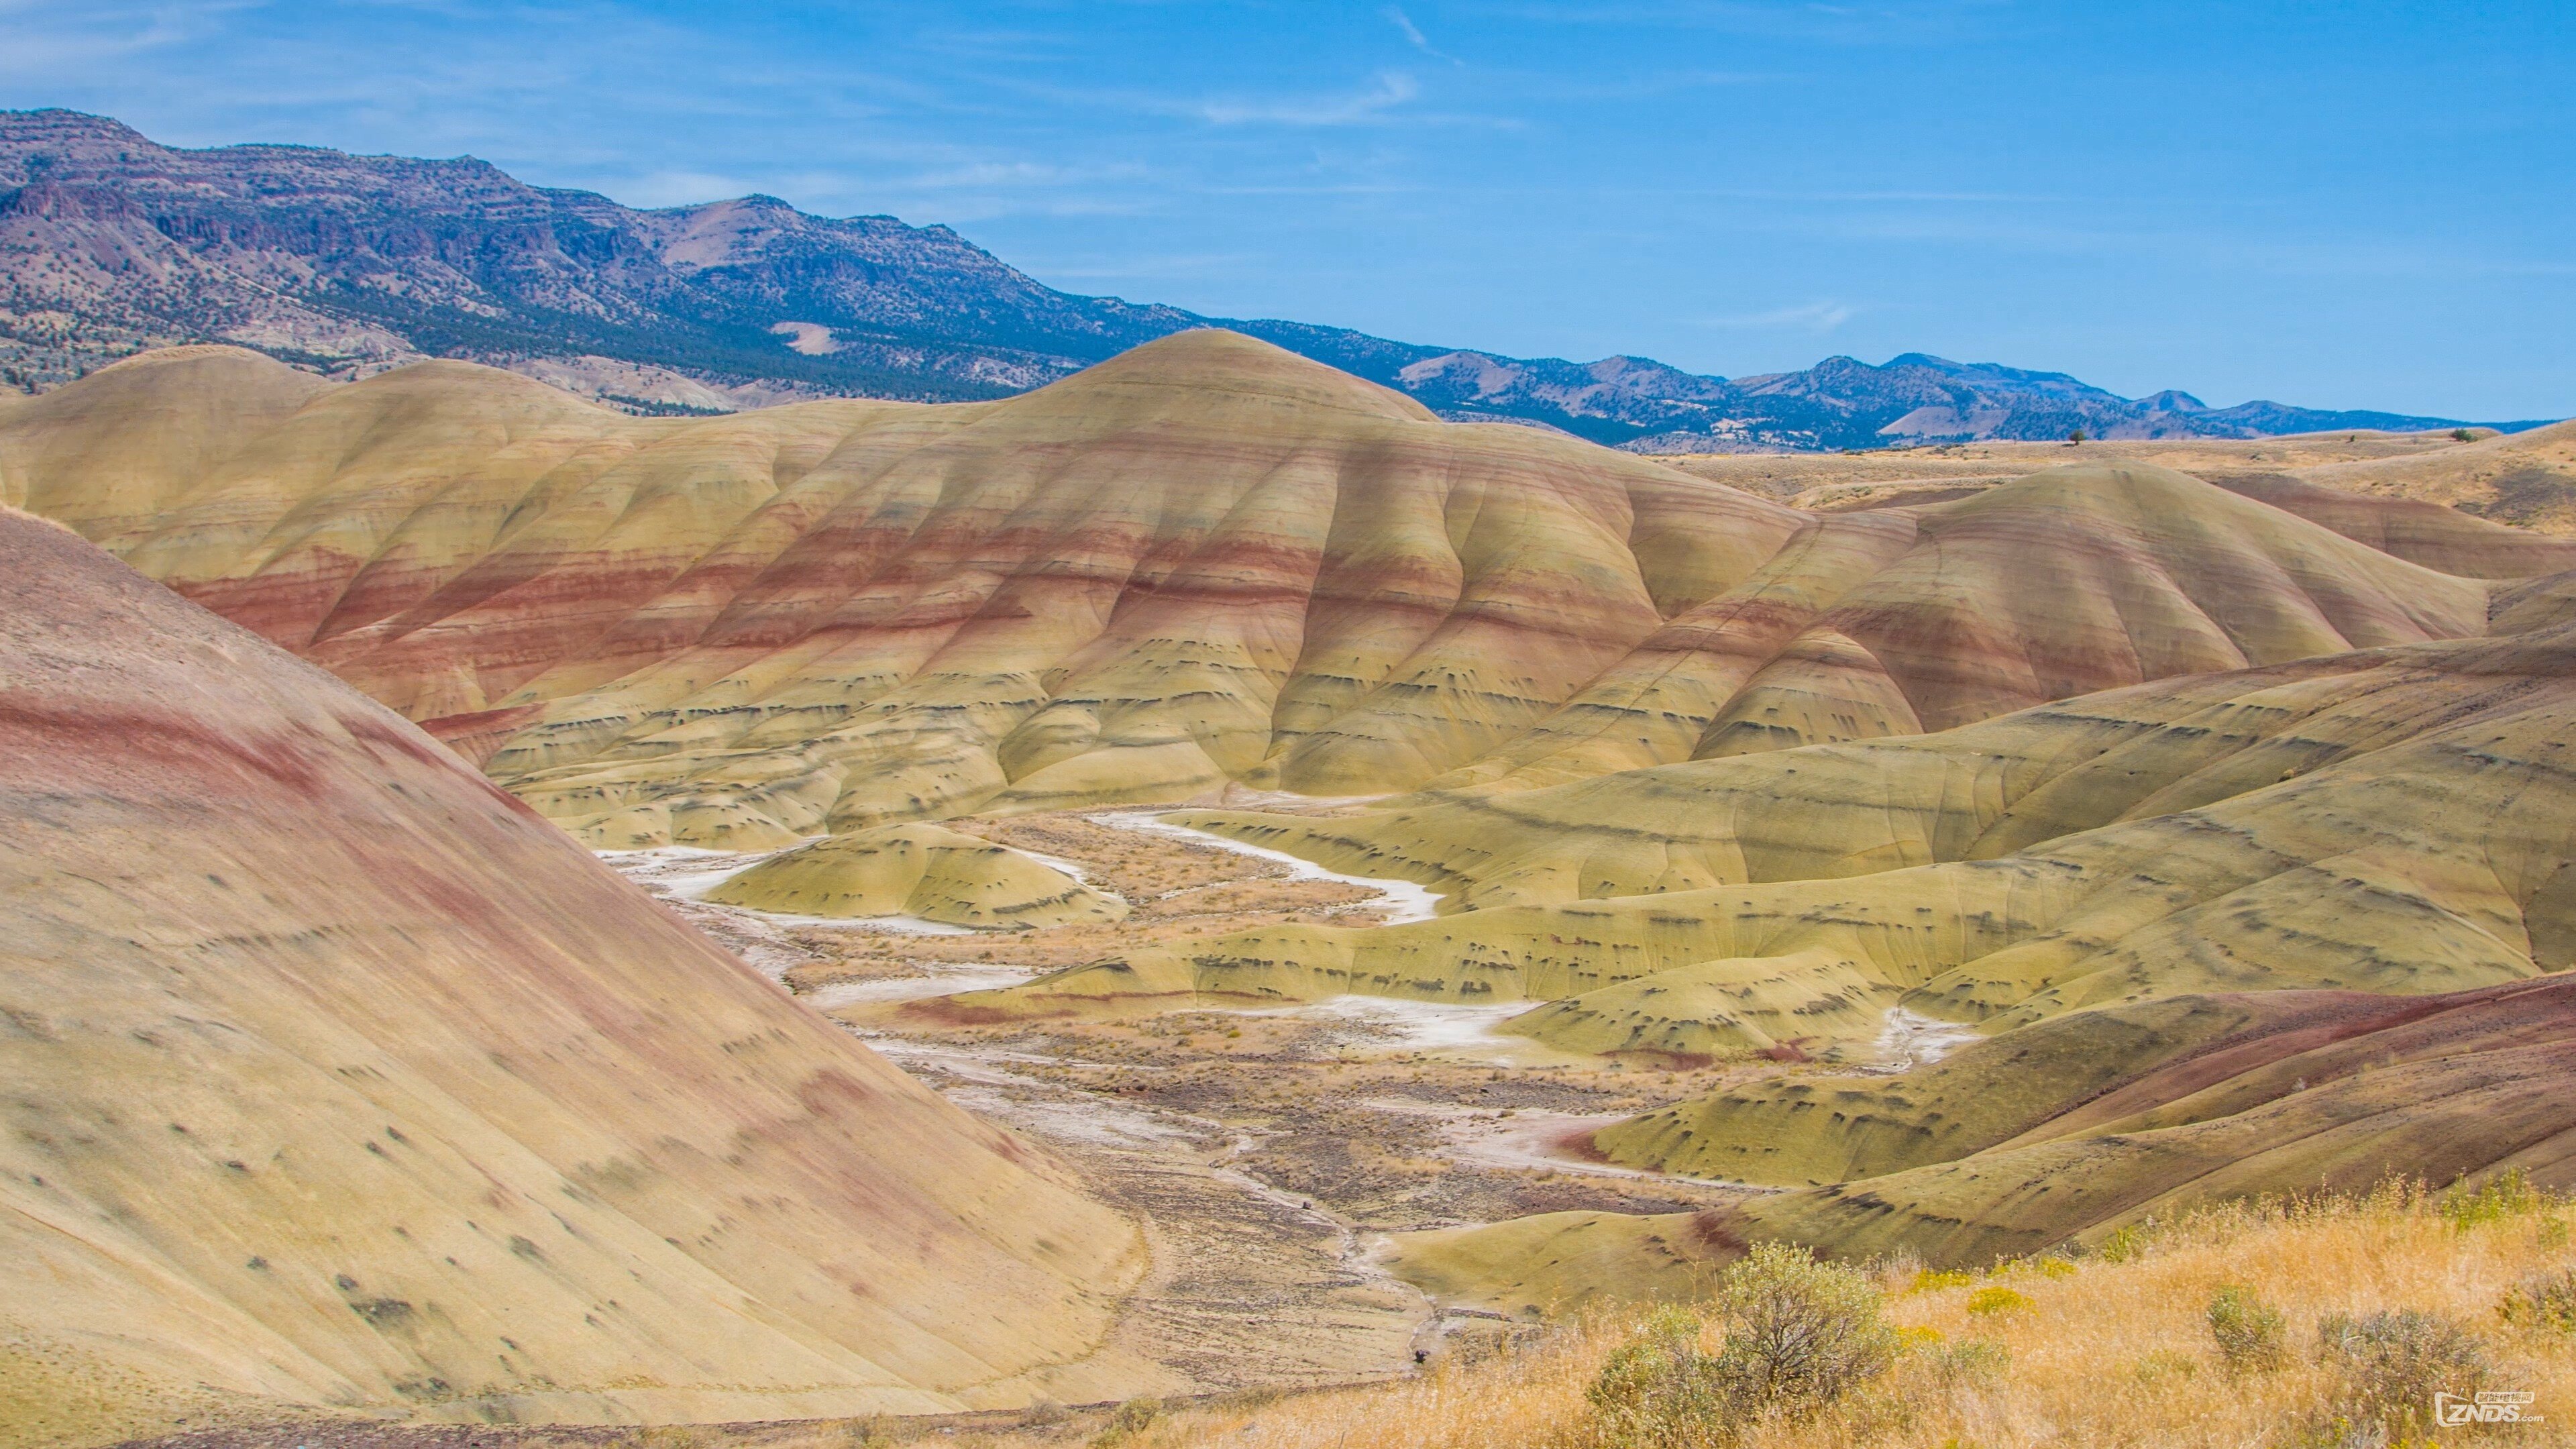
x=927, y=871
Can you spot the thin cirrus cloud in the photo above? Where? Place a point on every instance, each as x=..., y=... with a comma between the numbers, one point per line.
x=1387, y=91
x=1817, y=317
x=1414, y=37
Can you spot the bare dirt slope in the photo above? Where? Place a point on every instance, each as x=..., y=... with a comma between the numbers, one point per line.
x=334, y=1078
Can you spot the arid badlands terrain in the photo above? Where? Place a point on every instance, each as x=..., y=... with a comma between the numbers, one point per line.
x=1200, y=879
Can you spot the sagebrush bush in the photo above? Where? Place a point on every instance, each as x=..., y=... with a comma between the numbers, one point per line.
x=1799, y=1335
x=1127, y=1421
x=2543, y=1300
x=2252, y=1335
x=2508, y=1194
x=1658, y=1390
x=2389, y=1365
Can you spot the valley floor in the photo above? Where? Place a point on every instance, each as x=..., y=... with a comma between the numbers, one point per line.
x=1269, y=1152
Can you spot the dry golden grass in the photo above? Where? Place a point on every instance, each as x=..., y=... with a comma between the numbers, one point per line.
x=2105, y=1354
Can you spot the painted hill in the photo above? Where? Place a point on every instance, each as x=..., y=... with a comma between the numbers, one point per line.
x=2057, y=1136
x=110, y=242
x=918, y=870
x=1205, y=563
x=335, y=1080
x=2257, y=931
x=2390, y=820
x=2527, y=479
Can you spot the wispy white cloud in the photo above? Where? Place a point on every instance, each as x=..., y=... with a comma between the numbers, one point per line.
x=1413, y=35
x=1817, y=317
x=45, y=41
x=1387, y=91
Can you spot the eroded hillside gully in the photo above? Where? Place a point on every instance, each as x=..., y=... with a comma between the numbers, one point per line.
x=1273, y=1152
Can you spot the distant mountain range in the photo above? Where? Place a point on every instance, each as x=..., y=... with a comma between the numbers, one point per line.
x=110, y=242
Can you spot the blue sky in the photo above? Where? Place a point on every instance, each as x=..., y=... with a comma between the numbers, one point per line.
x=2355, y=205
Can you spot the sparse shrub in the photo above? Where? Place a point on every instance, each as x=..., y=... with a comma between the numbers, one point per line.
x=1997, y=1299
x=1971, y=1361
x=2389, y=1365
x=1933, y=1280
x=1658, y=1391
x=1127, y=1421
x=1043, y=1414
x=2506, y=1195
x=2252, y=1335
x=2553, y=1233
x=2543, y=1300
x=1799, y=1335
x=872, y=1432
x=2166, y=1364
x=2461, y=435
x=2128, y=1242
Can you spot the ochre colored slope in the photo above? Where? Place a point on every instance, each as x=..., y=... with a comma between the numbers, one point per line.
x=1204, y=563
x=2066, y=582
x=117, y=454
x=334, y=1077
x=2397, y=820
x=918, y=870
x=2415, y=528
x=2061, y=1133
x=2317, y=1091
x=2525, y=479
x=1807, y=1131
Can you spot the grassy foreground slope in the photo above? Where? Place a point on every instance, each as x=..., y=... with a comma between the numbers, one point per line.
x=1204, y=563
x=2092, y=1353
x=332, y=1078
